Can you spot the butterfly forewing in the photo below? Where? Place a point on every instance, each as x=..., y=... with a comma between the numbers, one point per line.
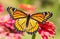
x=41, y=17
x=16, y=14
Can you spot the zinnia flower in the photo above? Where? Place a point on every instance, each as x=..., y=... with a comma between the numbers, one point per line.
x=27, y=7
x=47, y=30
x=7, y=29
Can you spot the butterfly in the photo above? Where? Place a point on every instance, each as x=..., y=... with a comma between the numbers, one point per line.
x=26, y=22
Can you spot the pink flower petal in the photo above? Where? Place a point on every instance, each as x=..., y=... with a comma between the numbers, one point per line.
x=47, y=30
x=1, y=8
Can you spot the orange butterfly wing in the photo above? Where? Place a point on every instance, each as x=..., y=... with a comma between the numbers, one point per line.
x=15, y=14
x=41, y=17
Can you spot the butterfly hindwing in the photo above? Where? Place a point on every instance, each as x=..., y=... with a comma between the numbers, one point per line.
x=16, y=14
x=32, y=27
x=20, y=24
x=41, y=17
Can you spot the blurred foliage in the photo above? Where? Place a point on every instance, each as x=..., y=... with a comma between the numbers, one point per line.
x=41, y=6
x=26, y=1
x=47, y=3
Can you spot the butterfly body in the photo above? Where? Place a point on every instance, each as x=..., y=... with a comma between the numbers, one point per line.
x=26, y=22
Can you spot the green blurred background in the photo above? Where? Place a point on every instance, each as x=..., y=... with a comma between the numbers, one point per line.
x=41, y=5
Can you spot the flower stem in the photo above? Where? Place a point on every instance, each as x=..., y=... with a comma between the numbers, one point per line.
x=33, y=36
